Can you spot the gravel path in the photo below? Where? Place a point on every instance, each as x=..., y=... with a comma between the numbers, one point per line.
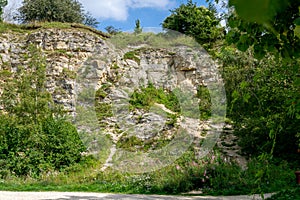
x=4, y=195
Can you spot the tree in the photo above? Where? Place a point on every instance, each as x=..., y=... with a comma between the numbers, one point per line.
x=54, y=10
x=138, y=29
x=89, y=20
x=198, y=22
x=265, y=102
x=261, y=73
x=112, y=30
x=70, y=11
x=3, y=3
x=267, y=26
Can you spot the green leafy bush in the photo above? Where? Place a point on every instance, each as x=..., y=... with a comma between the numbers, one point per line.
x=265, y=102
x=35, y=138
x=262, y=102
x=41, y=10
x=29, y=149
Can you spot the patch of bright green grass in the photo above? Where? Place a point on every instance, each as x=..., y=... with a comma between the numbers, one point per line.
x=145, y=97
x=6, y=27
x=59, y=25
x=132, y=55
x=23, y=28
x=160, y=40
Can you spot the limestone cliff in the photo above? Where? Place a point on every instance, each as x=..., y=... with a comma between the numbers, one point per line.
x=84, y=68
x=65, y=51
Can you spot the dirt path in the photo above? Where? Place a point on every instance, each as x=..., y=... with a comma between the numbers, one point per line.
x=4, y=195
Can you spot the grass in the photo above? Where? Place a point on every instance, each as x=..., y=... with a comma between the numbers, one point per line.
x=286, y=194
x=103, y=110
x=132, y=55
x=27, y=28
x=69, y=73
x=145, y=97
x=160, y=40
x=212, y=175
x=6, y=27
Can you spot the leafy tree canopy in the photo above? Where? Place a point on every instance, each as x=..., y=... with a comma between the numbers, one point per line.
x=268, y=26
x=89, y=20
x=198, y=22
x=55, y=10
x=112, y=30
x=266, y=100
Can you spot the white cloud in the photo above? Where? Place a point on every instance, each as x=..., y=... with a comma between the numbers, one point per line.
x=110, y=9
x=149, y=3
x=118, y=9
x=105, y=9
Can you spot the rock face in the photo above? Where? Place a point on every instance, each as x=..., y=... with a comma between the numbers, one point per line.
x=86, y=73
x=65, y=51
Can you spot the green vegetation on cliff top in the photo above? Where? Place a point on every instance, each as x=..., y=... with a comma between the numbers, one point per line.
x=27, y=28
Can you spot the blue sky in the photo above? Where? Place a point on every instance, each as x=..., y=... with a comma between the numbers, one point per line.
x=149, y=16
x=123, y=13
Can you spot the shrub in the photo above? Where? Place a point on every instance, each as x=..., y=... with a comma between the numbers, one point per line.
x=34, y=137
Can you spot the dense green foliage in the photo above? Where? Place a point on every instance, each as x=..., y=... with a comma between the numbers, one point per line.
x=261, y=71
x=70, y=11
x=265, y=103
x=267, y=33
x=198, y=22
x=261, y=103
x=42, y=10
x=35, y=138
x=205, y=102
x=260, y=67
